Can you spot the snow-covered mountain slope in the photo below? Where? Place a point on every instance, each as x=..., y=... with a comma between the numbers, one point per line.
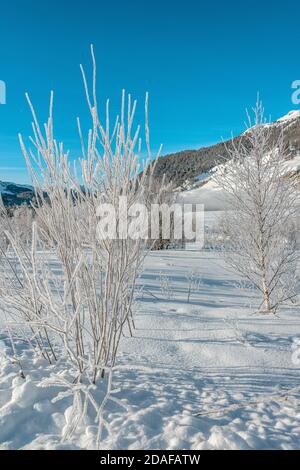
x=292, y=166
x=213, y=197
x=13, y=193
x=289, y=117
x=3, y=189
x=209, y=194
x=186, y=167
x=204, y=190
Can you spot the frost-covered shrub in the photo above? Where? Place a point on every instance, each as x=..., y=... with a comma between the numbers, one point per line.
x=194, y=283
x=73, y=290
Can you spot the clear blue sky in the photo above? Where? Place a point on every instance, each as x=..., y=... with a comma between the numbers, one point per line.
x=202, y=63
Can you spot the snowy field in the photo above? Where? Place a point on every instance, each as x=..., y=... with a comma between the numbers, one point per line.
x=202, y=371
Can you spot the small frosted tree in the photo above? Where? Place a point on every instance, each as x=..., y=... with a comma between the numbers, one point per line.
x=258, y=231
x=99, y=273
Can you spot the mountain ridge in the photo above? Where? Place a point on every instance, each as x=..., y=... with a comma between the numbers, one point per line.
x=186, y=167
x=15, y=194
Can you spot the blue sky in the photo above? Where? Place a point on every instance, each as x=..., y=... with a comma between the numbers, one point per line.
x=202, y=63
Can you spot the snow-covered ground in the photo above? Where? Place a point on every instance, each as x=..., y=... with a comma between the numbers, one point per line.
x=203, y=374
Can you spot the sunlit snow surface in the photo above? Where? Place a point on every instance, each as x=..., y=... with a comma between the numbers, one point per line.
x=184, y=359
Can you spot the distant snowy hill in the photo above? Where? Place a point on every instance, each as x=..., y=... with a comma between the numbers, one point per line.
x=207, y=192
x=190, y=169
x=202, y=189
x=187, y=167
x=15, y=194
x=288, y=118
